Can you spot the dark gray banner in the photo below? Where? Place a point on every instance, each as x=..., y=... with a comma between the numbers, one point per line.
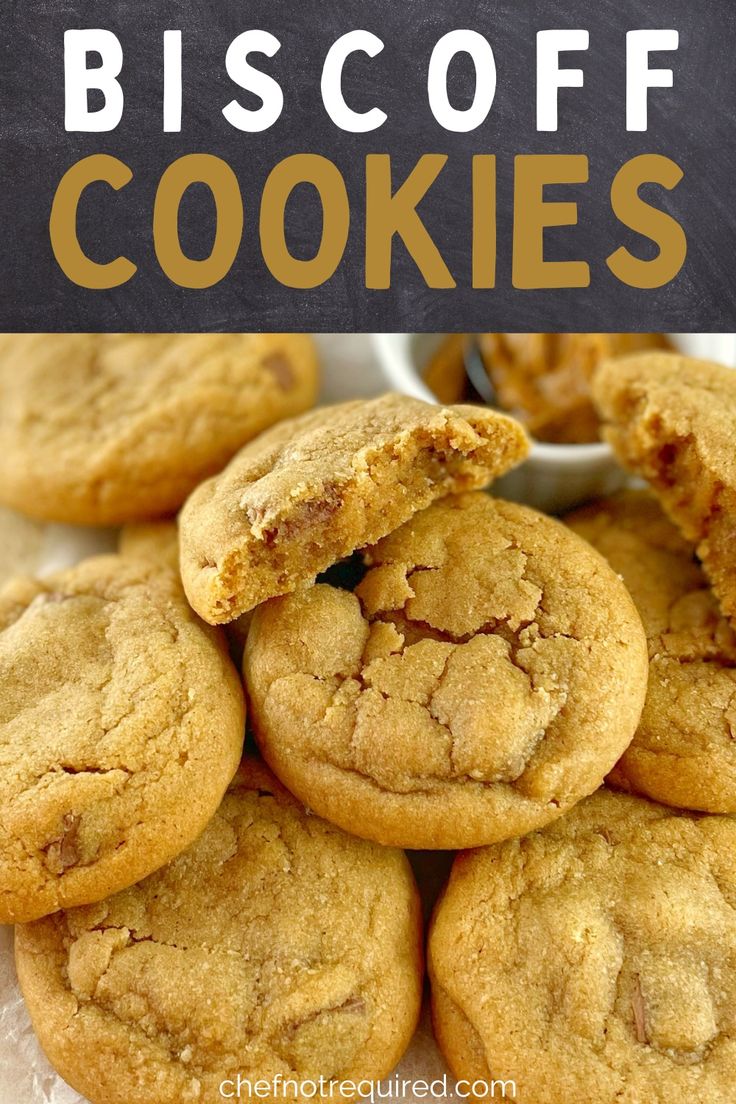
x=148, y=237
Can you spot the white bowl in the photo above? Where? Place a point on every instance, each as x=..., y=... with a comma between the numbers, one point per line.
x=555, y=478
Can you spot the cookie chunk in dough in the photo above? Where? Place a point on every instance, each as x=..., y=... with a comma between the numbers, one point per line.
x=103, y=429
x=594, y=960
x=684, y=751
x=486, y=674
x=311, y=491
x=672, y=420
x=121, y=725
x=277, y=946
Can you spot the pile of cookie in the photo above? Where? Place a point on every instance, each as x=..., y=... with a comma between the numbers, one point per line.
x=425, y=667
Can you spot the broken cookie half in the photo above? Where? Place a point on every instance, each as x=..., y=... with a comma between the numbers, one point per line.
x=314, y=489
x=670, y=419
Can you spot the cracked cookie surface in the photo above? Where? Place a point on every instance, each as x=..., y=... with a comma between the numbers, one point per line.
x=121, y=725
x=671, y=419
x=468, y=691
x=313, y=490
x=594, y=960
x=277, y=945
x=106, y=428
x=684, y=751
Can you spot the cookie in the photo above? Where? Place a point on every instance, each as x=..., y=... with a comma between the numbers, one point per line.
x=158, y=542
x=486, y=674
x=121, y=725
x=106, y=428
x=21, y=544
x=276, y=947
x=155, y=541
x=672, y=420
x=311, y=491
x=594, y=960
x=684, y=751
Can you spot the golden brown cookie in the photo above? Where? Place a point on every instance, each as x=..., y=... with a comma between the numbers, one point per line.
x=21, y=543
x=684, y=751
x=158, y=541
x=487, y=673
x=311, y=491
x=277, y=946
x=121, y=725
x=594, y=961
x=672, y=420
x=107, y=428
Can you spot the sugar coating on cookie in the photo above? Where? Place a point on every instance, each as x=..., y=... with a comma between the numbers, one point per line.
x=684, y=751
x=121, y=725
x=671, y=420
x=311, y=491
x=486, y=674
x=594, y=960
x=103, y=429
x=276, y=946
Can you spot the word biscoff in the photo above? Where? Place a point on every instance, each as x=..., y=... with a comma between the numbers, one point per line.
x=550, y=77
